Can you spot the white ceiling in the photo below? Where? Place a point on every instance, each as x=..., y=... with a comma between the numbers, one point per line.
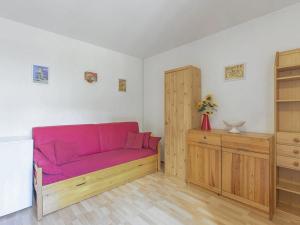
x=140, y=28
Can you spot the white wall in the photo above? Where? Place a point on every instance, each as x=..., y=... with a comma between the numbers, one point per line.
x=68, y=98
x=253, y=43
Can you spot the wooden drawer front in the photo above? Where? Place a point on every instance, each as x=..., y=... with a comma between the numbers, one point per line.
x=204, y=137
x=260, y=145
x=64, y=193
x=289, y=58
x=288, y=138
x=288, y=150
x=288, y=162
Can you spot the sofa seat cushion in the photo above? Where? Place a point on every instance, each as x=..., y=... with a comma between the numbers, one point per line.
x=91, y=163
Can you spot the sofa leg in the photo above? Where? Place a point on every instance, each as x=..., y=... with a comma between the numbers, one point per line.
x=38, y=185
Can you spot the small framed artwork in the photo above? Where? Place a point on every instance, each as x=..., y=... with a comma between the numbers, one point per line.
x=91, y=77
x=40, y=74
x=122, y=85
x=235, y=72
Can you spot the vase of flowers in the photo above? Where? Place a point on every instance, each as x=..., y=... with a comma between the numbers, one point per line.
x=206, y=107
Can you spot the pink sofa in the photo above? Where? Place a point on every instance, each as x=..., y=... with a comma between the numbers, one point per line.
x=99, y=146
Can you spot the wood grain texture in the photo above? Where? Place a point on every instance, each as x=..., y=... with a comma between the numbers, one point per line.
x=153, y=200
x=182, y=91
x=38, y=187
x=260, y=145
x=204, y=166
x=245, y=176
x=288, y=150
x=289, y=58
x=204, y=137
x=288, y=138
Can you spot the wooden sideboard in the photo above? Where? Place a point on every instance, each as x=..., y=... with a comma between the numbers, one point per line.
x=238, y=166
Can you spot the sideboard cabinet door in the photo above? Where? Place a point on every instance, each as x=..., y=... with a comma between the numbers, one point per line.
x=204, y=166
x=245, y=177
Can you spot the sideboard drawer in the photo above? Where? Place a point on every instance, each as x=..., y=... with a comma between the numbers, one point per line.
x=288, y=150
x=288, y=162
x=204, y=137
x=288, y=138
x=260, y=145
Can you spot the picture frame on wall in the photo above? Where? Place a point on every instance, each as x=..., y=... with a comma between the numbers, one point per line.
x=235, y=72
x=91, y=77
x=122, y=85
x=40, y=74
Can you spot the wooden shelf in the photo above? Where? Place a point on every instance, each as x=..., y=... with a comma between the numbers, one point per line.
x=288, y=100
x=288, y=208
x=289, y=187
x=297, y=77
x=287, y=68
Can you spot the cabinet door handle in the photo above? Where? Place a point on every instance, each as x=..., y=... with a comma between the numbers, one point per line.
x=296, y=151
x=296, y=164
x=297, y=140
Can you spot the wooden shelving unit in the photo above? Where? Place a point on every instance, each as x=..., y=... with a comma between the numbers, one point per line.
x=288, y=100
x=289, y=187
x=287, y=125
x=289, y=77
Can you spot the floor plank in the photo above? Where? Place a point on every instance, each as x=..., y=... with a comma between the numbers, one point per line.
x=154, y=199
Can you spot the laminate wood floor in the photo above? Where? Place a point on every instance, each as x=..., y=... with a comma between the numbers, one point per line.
x=154, y=199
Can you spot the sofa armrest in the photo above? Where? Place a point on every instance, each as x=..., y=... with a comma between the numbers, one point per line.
x=157, y=141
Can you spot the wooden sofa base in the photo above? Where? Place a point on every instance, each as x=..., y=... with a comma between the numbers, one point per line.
x=61, y=194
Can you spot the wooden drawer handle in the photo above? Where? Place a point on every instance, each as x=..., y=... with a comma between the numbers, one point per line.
x=296, y=151
x=204, y=137
x=297, y=140
x=296, y=164
x=77, y=185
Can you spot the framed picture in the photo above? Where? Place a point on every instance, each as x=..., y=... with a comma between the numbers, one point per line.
x=235, y=72
x=90, y=77
x=122, y=85
x=40, y=74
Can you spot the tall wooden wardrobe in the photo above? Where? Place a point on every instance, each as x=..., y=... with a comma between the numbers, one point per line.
x=182, y=91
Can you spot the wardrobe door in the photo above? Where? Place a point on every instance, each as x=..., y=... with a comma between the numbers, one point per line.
x=181, y=93
x=174, y=124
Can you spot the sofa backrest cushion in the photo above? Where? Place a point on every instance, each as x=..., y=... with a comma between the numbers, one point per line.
x=85, y=136
x=154, y=142
x=113, y=136
x=134, y=141
x=66, y=152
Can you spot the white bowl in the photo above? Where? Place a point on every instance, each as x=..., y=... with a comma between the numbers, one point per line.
x=233, y=126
